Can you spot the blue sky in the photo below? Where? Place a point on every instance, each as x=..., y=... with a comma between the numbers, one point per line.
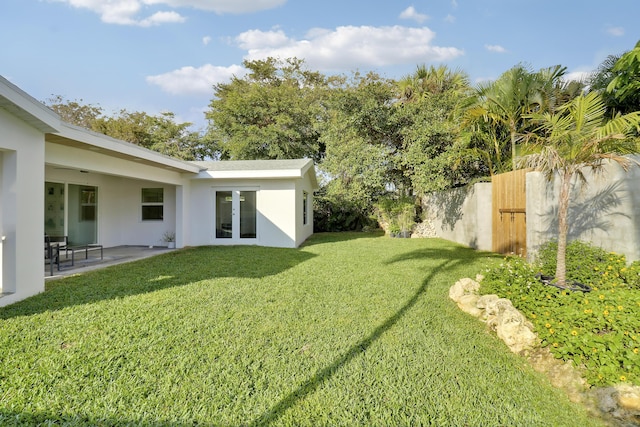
x=165, y=55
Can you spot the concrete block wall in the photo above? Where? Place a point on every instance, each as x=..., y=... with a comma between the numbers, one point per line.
x=605, y=212
x=462, y=215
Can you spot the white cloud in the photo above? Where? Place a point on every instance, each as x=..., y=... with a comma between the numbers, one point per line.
x=126, y=12
x=412, y=13
x=349, y=47
x=256, y=39
x=191, y=80
x=159, y=18
x=580, y=76
x=222, y=6
x=342, y=49
x=450, y=19
x=206, y=40
x=616, y=31
x=495, y=48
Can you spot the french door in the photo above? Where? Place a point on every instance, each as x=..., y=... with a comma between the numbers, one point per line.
x=235, y=215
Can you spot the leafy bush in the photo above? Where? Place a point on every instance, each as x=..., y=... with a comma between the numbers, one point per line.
x=591, y=265
x=597, y=330
x=398, y=213
x=331, y=213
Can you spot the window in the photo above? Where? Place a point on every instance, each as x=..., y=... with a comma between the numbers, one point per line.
x=305, y=196
x=152, y=204
x=88, y=204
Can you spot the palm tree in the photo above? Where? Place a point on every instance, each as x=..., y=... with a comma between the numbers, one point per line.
x=625, y=84
x=575, y=137
x=432, y=80
x=504, y=102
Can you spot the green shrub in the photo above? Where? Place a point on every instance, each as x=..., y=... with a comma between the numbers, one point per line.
x=398, y=213
x=585, y=263
x=597, y=330
x=591, y=265
x=330, y=213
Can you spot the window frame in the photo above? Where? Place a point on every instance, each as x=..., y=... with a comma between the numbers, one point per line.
x=305, y=208
x=147, y=207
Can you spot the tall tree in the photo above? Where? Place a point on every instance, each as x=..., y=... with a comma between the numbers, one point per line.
x=574, y=137
x=504, y=102
x=160, y=133
x=625, y=84
x=363, y=140
x=271, y=113
x=75, y=112
x=432, y=81
x=435, y=156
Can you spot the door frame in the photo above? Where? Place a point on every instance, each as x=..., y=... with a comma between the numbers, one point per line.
x=235, y=206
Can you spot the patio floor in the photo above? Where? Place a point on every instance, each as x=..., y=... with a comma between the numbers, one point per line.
x=111, y=256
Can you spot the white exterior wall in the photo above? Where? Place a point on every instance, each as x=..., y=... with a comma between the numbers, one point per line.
x=276, y=213
x=120, y=184
x=21, y=209
x=303, y=231
x=120, y=208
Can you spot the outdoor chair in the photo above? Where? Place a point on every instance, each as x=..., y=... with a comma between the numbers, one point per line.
x=53, y=247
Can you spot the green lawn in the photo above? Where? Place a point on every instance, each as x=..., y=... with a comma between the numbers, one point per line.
x=351, y=329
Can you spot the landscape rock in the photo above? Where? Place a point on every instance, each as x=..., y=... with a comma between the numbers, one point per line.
x=629, y=398
x=499, y=313
x=424, y=229
x=463, y=287
x=469, y=304
x=620, y=404
x=561, y=374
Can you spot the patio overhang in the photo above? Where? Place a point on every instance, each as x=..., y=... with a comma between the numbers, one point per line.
x=92, y=142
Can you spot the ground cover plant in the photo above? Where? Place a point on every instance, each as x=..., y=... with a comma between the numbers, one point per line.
x=351, y=329
x=598, y=330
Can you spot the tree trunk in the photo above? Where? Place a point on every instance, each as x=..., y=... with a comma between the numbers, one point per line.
x=563, y=229
x=512, y=126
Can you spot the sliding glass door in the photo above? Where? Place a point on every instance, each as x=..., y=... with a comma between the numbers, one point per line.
x=83, y=214
x=74, y=214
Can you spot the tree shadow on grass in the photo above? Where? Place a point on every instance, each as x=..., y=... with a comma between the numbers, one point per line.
x=173, y=269
x=9, y=418
x=323, y=238
x=449, y=259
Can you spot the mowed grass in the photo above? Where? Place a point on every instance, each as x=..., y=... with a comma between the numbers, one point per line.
x=350, y=329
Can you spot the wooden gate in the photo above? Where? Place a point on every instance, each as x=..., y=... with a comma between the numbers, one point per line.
x=509, y=213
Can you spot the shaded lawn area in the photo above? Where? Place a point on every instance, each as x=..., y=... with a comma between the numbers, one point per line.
x=351, y=329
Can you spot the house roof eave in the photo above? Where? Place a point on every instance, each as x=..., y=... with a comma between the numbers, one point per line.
x=77, y=137
x=25, y=107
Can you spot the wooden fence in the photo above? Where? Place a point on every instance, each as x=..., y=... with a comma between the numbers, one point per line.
x=509, y=217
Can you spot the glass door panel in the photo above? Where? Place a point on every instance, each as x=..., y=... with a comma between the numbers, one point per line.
x=247, y=214
x=236, y=215
x=54, y=209
x=83, y=214
x=224, y=214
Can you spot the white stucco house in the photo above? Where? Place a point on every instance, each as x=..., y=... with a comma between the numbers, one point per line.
x=60, y=179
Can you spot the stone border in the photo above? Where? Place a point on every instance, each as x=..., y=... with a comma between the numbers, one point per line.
x=619, y=404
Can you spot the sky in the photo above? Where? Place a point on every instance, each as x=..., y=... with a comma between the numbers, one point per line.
x=166, y=55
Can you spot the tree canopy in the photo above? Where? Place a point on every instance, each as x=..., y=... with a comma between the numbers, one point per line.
x=370, y=136
x=160, y=133
x=271, y=113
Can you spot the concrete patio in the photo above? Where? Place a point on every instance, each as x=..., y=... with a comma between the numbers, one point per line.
x=111, y=256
